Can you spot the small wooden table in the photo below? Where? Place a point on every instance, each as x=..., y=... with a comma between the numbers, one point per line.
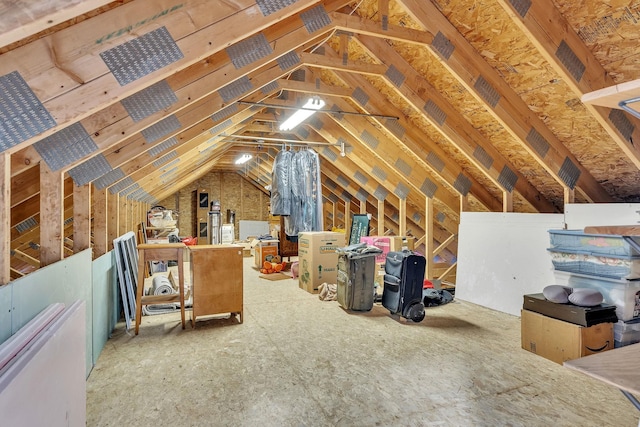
x=619, y=367
x=159, y=252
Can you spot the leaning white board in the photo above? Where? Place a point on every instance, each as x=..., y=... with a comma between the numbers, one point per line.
x=580, y=215
x=252, y=228
x=45, y=383
x=503, y=256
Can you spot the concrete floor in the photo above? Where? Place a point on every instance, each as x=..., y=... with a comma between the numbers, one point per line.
x=299, y=361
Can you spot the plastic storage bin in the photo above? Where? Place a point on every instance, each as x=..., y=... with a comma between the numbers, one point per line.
x=615, y=266
x=624, y=294
x=625, y=333
x=597, y=244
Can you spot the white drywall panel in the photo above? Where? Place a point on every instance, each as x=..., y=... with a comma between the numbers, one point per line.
x=5, y=312
x=579, y=215
x=252, y=228
x=503, y=256
x=105, y=301
x=44, y=384
x=65, y=281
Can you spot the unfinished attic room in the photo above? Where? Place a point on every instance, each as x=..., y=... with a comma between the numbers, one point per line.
x=320, y=213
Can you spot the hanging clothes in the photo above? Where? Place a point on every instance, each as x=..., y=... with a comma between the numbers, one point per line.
x=305, y=194
x=281, y=183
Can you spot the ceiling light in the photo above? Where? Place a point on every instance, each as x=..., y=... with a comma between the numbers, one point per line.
x=312, y=105
x=243, y=159
x=342, y=152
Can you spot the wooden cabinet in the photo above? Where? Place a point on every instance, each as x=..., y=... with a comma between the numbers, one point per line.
x=216, y=280
x=287, y=248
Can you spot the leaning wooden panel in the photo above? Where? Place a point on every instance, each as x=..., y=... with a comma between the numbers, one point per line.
x=217, y=280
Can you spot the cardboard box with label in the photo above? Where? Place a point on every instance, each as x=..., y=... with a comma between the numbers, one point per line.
x=265, y=250
x=559, y=341
x=388, y=244
x=317, y=257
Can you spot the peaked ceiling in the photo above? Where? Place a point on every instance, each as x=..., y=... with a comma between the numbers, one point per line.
x=446, y=99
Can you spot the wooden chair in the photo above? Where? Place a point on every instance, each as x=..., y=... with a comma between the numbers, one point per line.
x=159, y=252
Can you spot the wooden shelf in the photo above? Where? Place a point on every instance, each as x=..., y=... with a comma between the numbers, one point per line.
x=148, y=252
x=160, y=299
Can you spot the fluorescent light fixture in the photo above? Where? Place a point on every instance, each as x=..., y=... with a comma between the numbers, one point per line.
x=243, y=159
x=312, y=105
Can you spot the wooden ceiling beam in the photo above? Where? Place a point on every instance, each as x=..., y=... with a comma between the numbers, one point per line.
x=153, y=183
x=548, y=39
x=139, y=166
x=388, y=153
x=417, y=142
x=417, y=91
x=359, y=25
x=368, y=160
x=21, y=20
x=336, y=175
x=83, y=84
x=469, y=67
x=365, y=68
x=196, y=88
x=162, y=191
x=195, y=110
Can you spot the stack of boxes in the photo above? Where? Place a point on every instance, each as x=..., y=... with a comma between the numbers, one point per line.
x=563, y=332
x=605, y=262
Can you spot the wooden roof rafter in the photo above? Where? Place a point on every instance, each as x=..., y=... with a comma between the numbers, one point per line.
x=98, y=89
x=458, y=131
x=469, y=67
x=549, y=41
x=449, y=172
x=391, y=207
x=368, y=160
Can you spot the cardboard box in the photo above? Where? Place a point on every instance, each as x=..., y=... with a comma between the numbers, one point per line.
x=265, y=250
x=317, y=257
x=559, y=341
x=388, y=244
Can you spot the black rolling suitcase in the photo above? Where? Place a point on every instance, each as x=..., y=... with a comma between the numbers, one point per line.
x=403, y=283
x=356, y=276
